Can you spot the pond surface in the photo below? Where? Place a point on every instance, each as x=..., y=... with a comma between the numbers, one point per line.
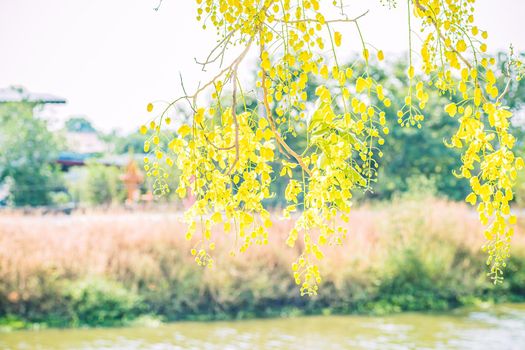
x=497, y=327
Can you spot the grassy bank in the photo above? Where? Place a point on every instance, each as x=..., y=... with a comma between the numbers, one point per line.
x=116, y=268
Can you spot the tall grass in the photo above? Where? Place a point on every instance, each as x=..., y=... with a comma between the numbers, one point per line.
x=110, y=268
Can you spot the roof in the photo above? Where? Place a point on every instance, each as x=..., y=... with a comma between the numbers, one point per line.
x=121, y=160
x=20, y=94
x=71, y=158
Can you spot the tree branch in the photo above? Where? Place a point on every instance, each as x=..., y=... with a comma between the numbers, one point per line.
x=281, y=142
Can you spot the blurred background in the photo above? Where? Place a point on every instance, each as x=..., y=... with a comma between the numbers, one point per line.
x=85, y=244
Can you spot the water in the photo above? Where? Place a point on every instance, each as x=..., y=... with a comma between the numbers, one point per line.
x=499, y=327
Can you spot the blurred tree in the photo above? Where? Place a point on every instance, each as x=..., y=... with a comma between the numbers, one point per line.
x=79, y=124
x=414, y=152
x=133, y=142
x=101, y=185
x=28, y=152
x=411, y=153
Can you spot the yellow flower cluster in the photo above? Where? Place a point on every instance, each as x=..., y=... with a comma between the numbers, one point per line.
x=341, y=150
x=453, y=56
x=227, y=156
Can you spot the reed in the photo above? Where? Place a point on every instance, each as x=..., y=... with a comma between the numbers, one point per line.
x=402, y=255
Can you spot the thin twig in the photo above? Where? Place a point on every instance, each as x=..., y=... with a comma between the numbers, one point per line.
x=235, y=121
x=234, y=65
x=509, y=77
x=158, y=6
x=310, y=20
x=224, y=44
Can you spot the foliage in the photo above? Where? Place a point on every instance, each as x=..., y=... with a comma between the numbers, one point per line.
x=226, y=152
x=96, y=302
x=100, y=185
x=28, y=152
x=519, y=189
x=133, y=142
x=411, y=154
x=11, y=322
x=79, y=124
x=417, y=153
x=406, y=255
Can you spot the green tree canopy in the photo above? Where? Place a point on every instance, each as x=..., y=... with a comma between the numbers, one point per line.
x=79, y=124
x=29, y=150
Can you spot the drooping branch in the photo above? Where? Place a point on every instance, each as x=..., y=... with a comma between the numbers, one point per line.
x=442, y=38
x=280, y=142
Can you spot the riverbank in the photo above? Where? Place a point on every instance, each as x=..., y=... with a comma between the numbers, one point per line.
x=118, y=269
x=497, y=327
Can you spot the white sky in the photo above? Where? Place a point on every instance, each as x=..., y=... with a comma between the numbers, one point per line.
x=109, y=58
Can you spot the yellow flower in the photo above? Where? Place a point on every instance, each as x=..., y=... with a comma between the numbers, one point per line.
x=461, y=46
x=471, y=198
x=380, y=55
x=337, y=38
x=184, y=130
x=366, y=54
x=451, y=109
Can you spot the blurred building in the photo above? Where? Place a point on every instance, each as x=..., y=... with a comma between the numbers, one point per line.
x=19, y=94
x=85, y=142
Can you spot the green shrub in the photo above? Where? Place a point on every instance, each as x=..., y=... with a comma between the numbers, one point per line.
x=99, y=302
x=415, y=285
x=12, y=322
x=98, y=185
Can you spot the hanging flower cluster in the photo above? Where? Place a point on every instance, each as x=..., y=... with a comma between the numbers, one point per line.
x=226, y=153
x=453, y=55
